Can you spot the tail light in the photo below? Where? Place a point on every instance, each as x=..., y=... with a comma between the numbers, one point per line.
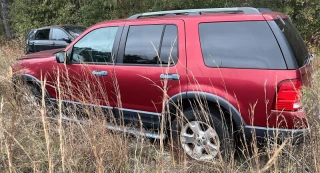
x=287, y=98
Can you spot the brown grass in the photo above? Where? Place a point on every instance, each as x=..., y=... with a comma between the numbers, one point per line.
x=31, y=141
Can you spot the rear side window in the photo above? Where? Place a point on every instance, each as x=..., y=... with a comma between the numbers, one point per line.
x=42, y=34
x=169, y=48
x=143, y=44
x=151, y=45
x=249, y=44
x=295, y=41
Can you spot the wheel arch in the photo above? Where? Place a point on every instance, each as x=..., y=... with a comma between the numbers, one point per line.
x=182, y=99
x=29, y=79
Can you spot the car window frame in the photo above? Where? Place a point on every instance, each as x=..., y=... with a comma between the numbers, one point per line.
x=123, y=41
x=114, y=48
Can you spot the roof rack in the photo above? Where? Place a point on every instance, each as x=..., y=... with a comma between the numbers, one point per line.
x=245, y=10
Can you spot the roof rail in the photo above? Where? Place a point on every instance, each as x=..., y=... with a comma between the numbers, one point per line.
x=264, y=10
x=245, y=10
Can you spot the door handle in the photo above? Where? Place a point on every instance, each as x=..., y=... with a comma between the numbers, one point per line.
x=100, y=73
x=53, y=43
x=170, y=76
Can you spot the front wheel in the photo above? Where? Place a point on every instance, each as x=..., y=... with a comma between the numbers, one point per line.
x=202, y=136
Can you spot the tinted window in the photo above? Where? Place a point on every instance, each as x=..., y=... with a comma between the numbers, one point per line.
x=143, y=44
x=58, y=34
x=42, y=34
x=240, y=45
x=96, y=46
x=294, y=40
x=169, y=47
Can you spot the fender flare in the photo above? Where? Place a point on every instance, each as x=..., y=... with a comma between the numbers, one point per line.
x=29, y=78
x=236, y=116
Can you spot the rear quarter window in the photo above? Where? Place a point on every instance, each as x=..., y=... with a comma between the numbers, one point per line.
x=249, y=44
x=294, y=40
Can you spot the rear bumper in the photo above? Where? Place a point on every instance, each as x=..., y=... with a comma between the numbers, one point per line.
x=263, y=135
x=281, y=125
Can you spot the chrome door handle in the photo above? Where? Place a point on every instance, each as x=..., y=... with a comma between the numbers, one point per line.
x=100, y=73
x=170, y=76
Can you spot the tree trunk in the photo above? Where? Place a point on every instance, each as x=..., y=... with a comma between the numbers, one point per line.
x=1, y=25
x=5, y=17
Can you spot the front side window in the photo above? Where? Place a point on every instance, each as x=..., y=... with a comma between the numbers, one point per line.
x=58, y=34
x=95, y=47
x=42, y=34
x=249, y=44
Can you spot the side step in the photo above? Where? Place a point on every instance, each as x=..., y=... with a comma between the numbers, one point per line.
x=130, y=130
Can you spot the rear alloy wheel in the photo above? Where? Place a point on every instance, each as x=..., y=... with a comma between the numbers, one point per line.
x=202, y=136
x=199, y=140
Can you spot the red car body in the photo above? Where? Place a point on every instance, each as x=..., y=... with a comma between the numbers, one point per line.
x=250, y=95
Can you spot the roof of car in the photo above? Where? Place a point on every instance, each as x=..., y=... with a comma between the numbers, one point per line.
x=245, y=13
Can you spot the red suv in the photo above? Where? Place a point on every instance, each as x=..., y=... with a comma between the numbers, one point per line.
x=204, y=74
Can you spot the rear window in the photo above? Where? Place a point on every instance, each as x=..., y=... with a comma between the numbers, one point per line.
x=249, y=44
x=295, y=41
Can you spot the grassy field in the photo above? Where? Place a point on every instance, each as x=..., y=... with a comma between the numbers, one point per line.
x=30, y=141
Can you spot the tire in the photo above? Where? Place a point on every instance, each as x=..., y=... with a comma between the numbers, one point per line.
x=28, y=93
x=26, y=49
x=30, y=96
x=202, y=136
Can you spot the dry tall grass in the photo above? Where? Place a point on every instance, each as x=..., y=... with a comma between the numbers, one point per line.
x=32, y=141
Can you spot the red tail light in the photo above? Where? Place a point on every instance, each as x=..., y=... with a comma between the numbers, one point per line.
x=288, y=96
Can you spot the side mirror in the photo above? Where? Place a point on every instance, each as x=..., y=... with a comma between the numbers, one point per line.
x=60, y=57
x=67, y=39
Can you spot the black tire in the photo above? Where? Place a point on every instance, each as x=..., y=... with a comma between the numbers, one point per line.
x=26, y=49
x=211, y=118
x=30, y=95
x=27, y=90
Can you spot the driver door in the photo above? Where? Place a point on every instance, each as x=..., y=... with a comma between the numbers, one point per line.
x=88, y=75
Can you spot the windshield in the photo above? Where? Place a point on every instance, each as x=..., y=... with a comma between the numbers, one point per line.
x=75, y=31
x=298, y=47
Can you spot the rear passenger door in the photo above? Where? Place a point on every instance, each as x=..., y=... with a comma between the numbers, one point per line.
x=59, y=37
x=151, y=59
x=42, y=41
